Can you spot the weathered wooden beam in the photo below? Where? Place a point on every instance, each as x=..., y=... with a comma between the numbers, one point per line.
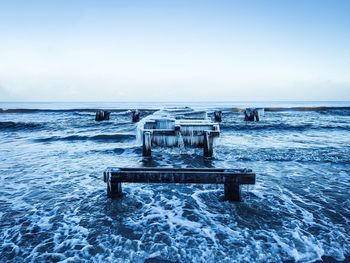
x=147, y=144
x=231, y=178
x=114, y=170
x=174, y=132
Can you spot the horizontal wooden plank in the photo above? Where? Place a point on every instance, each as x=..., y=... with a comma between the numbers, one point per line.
x=116, y=169
x=181, y=175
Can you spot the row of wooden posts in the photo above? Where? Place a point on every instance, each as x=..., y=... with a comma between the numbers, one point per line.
x=103, y=115
x=249, y=115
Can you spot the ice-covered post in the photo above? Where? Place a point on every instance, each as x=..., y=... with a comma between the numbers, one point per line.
x=218, y=115
x=256, y=114
x=135, y=115
x=114, y=189
x=208, y=144
x=147, y=144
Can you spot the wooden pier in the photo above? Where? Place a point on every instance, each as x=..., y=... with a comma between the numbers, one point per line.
x=232, y=179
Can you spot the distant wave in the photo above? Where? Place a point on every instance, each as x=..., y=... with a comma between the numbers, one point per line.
x=7, y=125
x=68, y=110
x=281, y=127
x=100, y=137
x=315, y=109
x=326, y=154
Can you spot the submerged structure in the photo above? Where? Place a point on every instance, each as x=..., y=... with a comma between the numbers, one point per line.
x=180, y=126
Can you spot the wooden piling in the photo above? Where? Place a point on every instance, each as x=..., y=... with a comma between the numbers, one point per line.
x=252, y=114
x=256, y=115
x=232, y=191
x=135, y=115
x=218, y=116
x=102, y=115
x=147, y=144
x=208, y=144
x=106, y=115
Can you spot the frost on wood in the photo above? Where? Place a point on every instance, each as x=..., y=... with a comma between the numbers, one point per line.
x=177, y=127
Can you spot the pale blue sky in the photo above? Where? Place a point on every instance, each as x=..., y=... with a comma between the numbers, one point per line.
x=166, y=50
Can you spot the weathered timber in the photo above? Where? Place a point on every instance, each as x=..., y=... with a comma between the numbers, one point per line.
x=208, y=144
x=135, y=115
x=232, y=179
x=218, y=116
x=147, y=144
x=253, y=114
x=102, y=115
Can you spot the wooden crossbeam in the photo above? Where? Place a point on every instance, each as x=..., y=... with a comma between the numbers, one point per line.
x=231, y=178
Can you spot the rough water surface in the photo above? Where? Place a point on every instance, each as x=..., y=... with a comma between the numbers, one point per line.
x=53, y=204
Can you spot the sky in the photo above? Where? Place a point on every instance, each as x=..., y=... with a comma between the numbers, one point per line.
x=174, y=50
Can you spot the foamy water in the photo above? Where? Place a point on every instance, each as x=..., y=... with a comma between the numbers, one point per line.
x=53, y=204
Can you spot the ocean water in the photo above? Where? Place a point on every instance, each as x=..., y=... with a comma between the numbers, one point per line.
x=53, y=203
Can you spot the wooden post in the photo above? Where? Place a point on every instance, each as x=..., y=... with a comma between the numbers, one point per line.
x=99, y=116
x=232, y=191
x=218, y=116
x=102, y=115
x=106, y=115
x=114, y=190
x=208, y=144
x=135, y=115
x=249, y=114
x=256, y=114
x=147, y=144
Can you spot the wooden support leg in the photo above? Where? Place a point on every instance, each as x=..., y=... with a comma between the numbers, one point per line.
x=208, y=144
x=232, y=191
x=147, y=144
x=135, y=115
x=218, y=116
x=114, y=189
x=256, y=114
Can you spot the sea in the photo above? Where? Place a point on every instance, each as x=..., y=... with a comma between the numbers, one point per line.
x=54, y=206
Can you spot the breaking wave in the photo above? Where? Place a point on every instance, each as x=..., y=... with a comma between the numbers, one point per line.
x=10, y=125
